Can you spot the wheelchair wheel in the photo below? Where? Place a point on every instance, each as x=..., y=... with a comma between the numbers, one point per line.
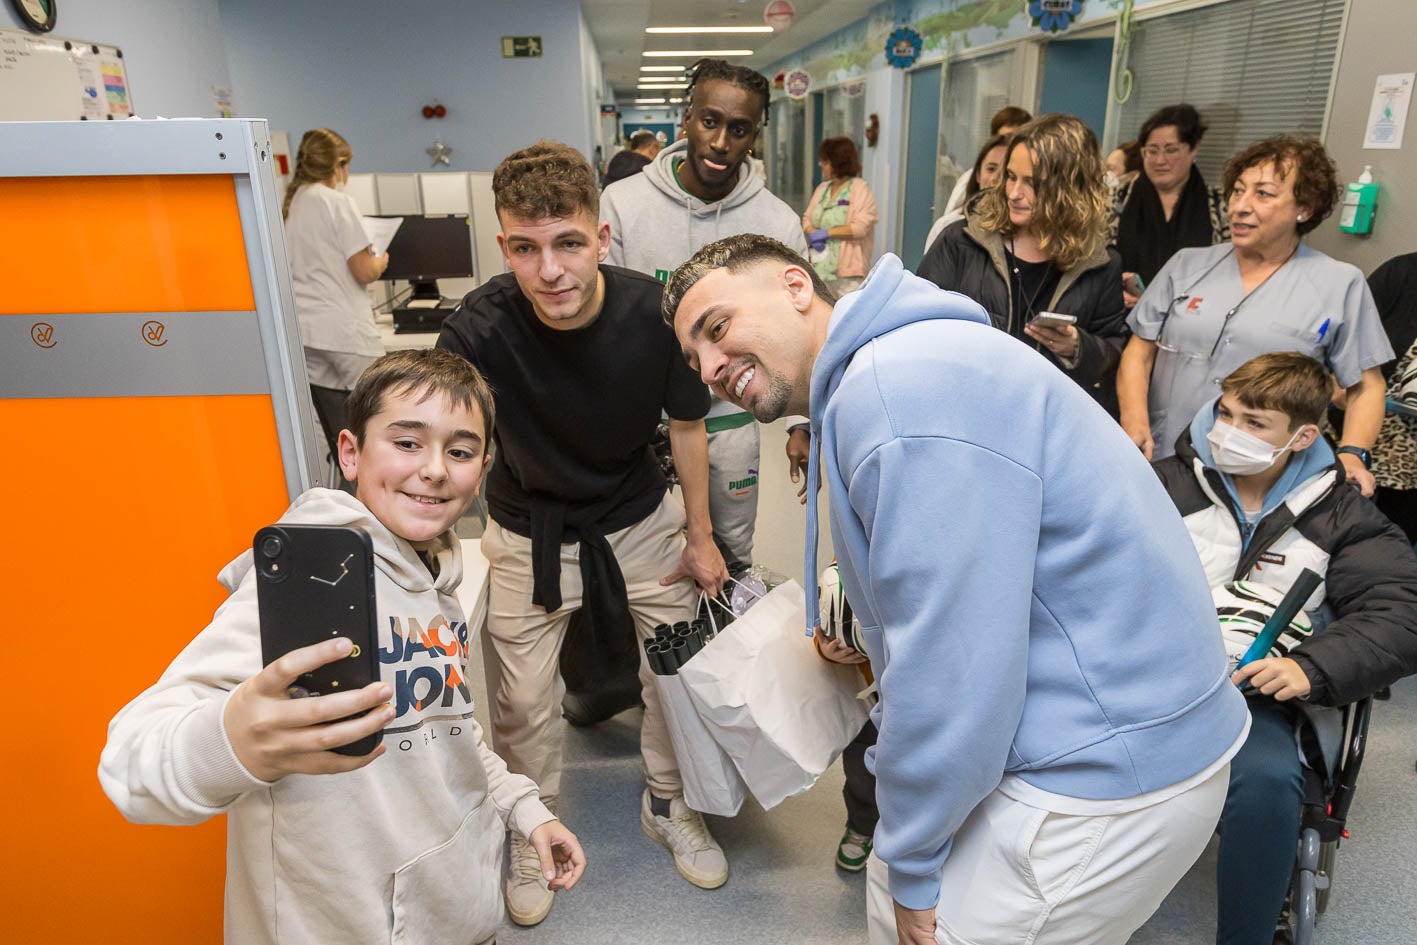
x=1324, y=882
x=1304, y=915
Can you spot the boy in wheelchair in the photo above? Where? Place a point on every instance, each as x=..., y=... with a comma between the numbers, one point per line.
x=1264, y=497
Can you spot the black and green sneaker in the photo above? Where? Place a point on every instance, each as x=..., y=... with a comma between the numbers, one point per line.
x=853, y=851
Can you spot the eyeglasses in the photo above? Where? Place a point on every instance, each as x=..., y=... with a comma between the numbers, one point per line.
x=1170, y=152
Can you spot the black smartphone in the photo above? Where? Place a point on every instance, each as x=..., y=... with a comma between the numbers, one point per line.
x=315, y=583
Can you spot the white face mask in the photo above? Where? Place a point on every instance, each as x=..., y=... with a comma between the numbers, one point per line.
x=1243, y=454
x=1111, y=180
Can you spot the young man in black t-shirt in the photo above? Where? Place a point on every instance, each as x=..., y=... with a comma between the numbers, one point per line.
x=581, y=365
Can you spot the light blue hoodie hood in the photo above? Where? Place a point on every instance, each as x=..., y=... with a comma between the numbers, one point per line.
x=1034, y=610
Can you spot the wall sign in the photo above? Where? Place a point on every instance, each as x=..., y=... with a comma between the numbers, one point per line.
x=903, y=47
x=1054, y=16
x=1387, y=118
x=521, y=47
x=797, y=84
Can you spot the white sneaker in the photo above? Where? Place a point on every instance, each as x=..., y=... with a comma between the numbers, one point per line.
x=697, y=856
x=528, y=899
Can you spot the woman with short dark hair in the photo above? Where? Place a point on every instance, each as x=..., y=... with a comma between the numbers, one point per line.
x=1212, y=309
x=1168, y=206
x=840, y=220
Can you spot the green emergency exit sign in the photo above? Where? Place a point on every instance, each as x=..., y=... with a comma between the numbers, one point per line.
x=521, y=47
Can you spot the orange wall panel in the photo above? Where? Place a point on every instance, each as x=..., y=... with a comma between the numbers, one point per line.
x=119, y=513
x=122, y=244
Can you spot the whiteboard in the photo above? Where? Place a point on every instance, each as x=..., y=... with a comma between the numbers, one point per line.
x=50, y=78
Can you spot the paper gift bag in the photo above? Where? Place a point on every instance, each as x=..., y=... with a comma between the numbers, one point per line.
x=780, y=711
x=711, y=781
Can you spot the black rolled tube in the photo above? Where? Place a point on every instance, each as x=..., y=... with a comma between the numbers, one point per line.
x=693, y=643
x=677, y=654
x=654, y=655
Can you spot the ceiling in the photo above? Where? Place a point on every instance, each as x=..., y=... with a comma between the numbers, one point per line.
x=619, y=30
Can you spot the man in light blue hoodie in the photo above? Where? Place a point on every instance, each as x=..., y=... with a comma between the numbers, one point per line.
x=1016, y=568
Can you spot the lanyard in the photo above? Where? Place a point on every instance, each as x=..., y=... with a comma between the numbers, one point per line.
x=1028, y=300
x=1225, y=322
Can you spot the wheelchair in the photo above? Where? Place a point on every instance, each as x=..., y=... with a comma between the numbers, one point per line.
x=1326, y=805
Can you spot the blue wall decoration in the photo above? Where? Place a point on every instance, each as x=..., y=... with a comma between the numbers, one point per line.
x=903, y=47
x=1054, y=16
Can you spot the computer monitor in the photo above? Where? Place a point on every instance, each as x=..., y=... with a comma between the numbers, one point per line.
x=428, y=248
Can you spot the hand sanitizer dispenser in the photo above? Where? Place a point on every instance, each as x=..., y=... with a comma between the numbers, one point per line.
x=1359, y=204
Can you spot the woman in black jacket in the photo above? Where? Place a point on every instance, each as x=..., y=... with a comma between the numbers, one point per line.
x=1036, y=242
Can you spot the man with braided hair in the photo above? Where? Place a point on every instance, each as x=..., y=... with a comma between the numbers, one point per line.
x=698, y=190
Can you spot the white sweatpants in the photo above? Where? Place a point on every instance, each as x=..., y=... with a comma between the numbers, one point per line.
x=1018, y=875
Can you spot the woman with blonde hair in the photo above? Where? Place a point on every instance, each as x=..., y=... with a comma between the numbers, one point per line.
x=1035, y=243
x=331, y=262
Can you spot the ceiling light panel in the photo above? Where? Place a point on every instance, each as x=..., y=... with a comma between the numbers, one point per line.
x=694, y=53
x=707, y=29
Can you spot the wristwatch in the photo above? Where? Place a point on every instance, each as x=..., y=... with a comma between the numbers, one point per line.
x=1364, y=457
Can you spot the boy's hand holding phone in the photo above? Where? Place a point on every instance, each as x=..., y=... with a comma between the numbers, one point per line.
x=274, y=735
x=562, y=859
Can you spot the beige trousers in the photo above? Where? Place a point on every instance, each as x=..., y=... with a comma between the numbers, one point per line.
x=528, y=730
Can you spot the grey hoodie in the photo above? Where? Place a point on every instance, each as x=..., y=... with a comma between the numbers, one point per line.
x=407, y=848
x=655, y=225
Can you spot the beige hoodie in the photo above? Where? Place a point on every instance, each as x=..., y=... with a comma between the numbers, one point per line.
x=407, y=849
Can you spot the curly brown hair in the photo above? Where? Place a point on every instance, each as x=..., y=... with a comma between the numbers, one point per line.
x=1070, y=202
x=841, y=154
x=548, y=179
x=1305, y=161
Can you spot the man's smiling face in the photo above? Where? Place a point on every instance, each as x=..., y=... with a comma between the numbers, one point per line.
x=746, y=335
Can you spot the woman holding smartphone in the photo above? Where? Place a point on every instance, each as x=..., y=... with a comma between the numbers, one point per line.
x=1036, y=242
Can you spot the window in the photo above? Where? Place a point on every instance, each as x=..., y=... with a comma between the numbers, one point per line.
x=787, y=142
x=974, y=90
x=1253, y=68
x=844, y=113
